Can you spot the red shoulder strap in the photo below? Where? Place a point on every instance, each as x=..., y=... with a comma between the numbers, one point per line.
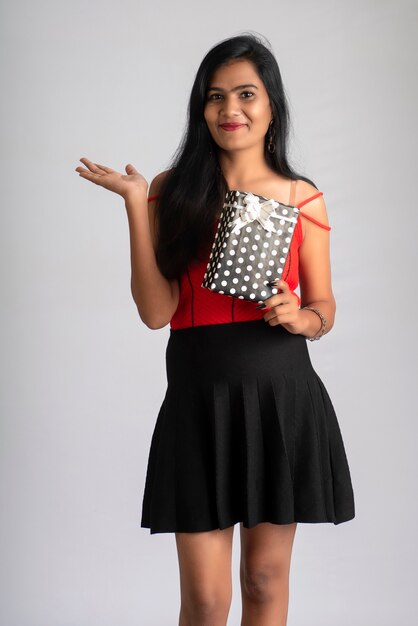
x=153, y=197
x=308, y=217
x=312, y=219
x=301, y=204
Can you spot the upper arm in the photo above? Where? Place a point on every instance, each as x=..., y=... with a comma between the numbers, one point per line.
x=154, y=190
x=314, y=251
x=153, y=222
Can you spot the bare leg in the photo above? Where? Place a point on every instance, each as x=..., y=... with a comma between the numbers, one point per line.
x=264, y=573
x=205, y=577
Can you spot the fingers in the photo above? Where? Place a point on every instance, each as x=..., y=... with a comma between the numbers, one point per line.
x=108, y=170
x=130, y=169
x=281, y=308
x=282, y=319
x=97, y=168
x=283, y=314
x=280, y=284
x=90, y=165
x=94, y=171
x=284, y=295
x=94, y=178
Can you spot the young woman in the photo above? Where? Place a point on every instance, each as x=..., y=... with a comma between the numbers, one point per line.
x=246, y=432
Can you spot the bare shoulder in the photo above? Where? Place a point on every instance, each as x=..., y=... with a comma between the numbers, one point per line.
x=314, y=208
x=156, y=182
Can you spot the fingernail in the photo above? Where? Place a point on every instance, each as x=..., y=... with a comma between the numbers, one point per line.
x=261, y=306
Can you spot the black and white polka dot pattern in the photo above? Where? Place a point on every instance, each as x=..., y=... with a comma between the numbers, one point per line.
x=240, y=264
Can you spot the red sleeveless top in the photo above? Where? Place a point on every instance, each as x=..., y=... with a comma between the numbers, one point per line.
x=198, y=306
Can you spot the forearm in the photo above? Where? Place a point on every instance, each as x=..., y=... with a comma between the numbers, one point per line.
x=310, y=322
x=151, y=291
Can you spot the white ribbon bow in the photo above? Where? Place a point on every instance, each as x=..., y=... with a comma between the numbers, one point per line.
x=256, y=210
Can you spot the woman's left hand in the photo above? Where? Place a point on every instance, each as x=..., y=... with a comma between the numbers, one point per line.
x=284, y=309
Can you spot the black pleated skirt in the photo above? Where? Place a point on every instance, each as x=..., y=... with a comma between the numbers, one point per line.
x=246, y=433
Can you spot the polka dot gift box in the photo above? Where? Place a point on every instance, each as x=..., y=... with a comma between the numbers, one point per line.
x=251, y=245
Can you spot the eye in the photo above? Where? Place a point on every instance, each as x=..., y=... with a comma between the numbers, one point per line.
x=250, y=93
x=214, y=96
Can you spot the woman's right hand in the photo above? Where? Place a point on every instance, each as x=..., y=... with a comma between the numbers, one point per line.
x=123, y=184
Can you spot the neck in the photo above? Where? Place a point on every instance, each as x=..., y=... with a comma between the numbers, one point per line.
x=241, y=167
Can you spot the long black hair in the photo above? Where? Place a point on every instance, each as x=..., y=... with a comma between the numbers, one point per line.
x=193, y=190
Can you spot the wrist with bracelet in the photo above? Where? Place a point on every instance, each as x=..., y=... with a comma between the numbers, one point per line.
x=321, y=316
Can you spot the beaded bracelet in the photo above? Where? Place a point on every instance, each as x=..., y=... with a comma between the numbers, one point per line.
x=322, y=330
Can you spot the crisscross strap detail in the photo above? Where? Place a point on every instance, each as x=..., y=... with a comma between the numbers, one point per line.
x=303, y=202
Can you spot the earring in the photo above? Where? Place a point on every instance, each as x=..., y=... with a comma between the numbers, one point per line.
x=271, y=147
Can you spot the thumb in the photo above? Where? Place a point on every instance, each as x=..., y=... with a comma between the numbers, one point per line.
x=130, y=169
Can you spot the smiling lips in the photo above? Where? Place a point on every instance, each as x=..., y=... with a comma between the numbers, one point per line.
x=229, y=127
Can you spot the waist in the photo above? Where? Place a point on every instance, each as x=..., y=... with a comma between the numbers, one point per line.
x=199, y=306
x=216, y=309
x=235, y=350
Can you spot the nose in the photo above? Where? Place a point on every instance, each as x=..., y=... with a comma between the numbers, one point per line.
x=230, y=106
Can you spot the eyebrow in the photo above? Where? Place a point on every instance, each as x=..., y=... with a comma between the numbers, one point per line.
x=234, y=89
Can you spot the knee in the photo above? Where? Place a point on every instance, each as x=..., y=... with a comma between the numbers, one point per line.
x=204, y=607
x=261, y=585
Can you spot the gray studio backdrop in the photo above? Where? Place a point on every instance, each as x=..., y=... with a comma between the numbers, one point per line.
x=83, y=378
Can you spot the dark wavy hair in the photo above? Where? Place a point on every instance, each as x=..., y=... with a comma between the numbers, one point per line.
x=193, y=189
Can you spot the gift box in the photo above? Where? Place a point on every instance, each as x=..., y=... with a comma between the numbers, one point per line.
x=251, y=245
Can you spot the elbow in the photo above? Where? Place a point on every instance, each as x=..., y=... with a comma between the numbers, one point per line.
x=153, y=321
x=330, y=325
x=156, y=314
x=156, y=324
x=331, y=316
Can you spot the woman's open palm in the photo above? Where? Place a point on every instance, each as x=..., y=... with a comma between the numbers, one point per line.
x=122, y=184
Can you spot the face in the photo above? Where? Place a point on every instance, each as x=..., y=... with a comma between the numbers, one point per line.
x=237, y=109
